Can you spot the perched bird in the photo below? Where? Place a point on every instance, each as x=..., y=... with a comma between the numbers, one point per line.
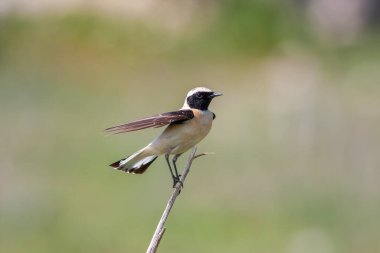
x=186, y=127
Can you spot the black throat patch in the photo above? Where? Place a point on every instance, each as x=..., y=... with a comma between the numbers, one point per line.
x=200, y=100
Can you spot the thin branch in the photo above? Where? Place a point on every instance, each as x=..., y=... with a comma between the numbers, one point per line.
x=160, y=230
x=156, y=241
x=202, y=154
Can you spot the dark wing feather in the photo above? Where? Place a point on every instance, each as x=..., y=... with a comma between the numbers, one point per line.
x=155, y=121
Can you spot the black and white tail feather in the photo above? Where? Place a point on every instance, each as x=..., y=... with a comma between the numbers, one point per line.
x=136, y=163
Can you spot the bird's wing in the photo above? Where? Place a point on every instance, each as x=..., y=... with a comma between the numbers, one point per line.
x=155, y=121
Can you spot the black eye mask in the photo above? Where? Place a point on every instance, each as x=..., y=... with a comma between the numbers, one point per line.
x=200, y=100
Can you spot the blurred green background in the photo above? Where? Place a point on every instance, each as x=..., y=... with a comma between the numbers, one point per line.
x=296, y=137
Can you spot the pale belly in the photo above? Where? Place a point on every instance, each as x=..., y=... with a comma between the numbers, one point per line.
x=179, y=138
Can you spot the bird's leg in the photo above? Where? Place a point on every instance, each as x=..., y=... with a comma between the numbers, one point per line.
x=175, y=168
x=175, y=179
x=175, y=165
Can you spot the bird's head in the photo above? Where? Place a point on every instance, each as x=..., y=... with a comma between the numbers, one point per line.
x=200, y=98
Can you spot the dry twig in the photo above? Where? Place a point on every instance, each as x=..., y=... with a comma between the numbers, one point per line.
x=160, y=230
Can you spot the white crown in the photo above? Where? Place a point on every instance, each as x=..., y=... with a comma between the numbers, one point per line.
x=195, y=90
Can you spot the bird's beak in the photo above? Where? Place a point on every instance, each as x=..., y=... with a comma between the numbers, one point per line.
x=215, y=94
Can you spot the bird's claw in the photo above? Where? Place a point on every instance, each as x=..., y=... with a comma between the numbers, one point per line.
x=177, y=180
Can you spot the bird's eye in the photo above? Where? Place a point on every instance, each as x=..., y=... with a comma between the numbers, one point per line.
x=198, y=95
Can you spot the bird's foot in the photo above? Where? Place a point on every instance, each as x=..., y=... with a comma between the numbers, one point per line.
x=177, y=180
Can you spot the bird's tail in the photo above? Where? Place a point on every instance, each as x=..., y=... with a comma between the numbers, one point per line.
x=136, y=163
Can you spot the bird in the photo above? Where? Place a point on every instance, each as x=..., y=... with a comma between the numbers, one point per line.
x=186, y=128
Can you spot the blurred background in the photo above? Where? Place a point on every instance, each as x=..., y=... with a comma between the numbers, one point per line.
x=296, y=137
